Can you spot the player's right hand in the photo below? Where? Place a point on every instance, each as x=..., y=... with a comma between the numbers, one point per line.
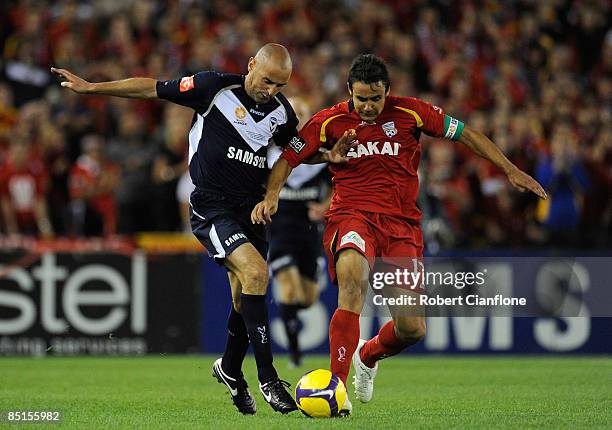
x=263, y=211
x=72, y=81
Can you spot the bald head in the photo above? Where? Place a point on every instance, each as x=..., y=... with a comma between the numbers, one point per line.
x=269, y=71
x=275, y=54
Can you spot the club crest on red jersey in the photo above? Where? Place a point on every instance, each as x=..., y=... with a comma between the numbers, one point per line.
x=389, y=129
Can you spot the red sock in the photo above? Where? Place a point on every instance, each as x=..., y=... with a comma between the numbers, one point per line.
x=383, y=345
x=343, y=339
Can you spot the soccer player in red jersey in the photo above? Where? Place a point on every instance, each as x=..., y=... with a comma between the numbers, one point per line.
x=373, y=211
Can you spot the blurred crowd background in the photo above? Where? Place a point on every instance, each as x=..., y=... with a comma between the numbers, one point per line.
x=535, y=76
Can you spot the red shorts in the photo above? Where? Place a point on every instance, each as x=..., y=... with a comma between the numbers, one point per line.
x=378, y=237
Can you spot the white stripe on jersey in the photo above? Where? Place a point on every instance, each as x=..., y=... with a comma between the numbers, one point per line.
x=195, y=134
x=255, y=134
x=212, y=103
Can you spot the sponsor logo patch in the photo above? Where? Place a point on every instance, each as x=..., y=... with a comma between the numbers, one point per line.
x=186, y=84
x=297, y=144
x=354, y=238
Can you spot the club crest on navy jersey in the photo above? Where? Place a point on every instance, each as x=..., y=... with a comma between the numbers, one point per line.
x=389, y=129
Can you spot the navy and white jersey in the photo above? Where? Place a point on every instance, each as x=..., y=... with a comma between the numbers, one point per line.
x=229, y=137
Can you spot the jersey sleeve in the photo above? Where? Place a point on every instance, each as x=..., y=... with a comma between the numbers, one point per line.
x=434, y=122
x=306, y=144
x=286, y=132
x=193, y=91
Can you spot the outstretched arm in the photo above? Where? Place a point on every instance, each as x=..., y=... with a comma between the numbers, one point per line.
x=135, y=88
x=482, y=146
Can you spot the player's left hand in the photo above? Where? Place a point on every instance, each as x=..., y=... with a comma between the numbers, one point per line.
x=338, y=152
x=263, y=211
x=523, y=182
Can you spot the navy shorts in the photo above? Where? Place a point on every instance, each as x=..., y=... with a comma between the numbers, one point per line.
x=222, y=225
x=295, y=241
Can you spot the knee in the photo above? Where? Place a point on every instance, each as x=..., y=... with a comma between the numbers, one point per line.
x=311, y=293
x=352, y=278
x=255, y=279
x=308, y=301
x=286, y=294
x=411, y=330
x=352, y=269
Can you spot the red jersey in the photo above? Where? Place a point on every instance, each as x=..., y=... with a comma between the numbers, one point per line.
x=86, y=176
x=381, y=174
x=23, y=187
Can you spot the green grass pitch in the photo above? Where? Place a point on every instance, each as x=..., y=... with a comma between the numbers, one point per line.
x=417, y=392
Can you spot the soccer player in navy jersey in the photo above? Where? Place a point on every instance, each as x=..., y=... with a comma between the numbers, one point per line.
x=373, y=212
x=235, y=119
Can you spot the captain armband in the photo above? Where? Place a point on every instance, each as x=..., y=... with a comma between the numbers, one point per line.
x=452, y=128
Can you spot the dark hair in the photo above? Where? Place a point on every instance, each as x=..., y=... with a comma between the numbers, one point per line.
x=369, y=69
